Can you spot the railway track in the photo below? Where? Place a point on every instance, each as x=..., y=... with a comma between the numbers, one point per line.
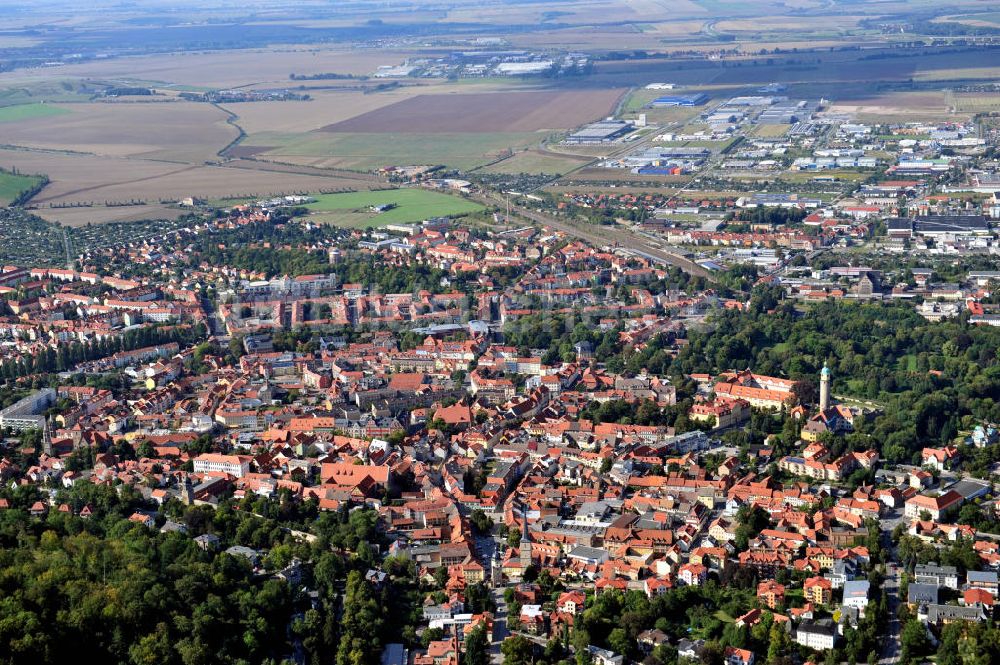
x=601, y=236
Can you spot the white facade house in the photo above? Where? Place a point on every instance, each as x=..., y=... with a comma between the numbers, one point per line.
x=234, y=465
x=816, y=635
x=856, y=594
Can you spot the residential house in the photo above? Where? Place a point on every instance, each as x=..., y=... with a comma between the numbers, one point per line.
x=819, y=635
x=734, y=656
x=938, y=507
x=941, y=576
x=856, y=595
x=818, y=590
x=771, y=593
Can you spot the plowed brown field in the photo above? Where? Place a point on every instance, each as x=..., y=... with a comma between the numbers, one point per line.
x=484, y=112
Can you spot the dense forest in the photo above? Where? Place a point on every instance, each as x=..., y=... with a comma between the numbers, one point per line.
x=927, y=380
x=108, y=589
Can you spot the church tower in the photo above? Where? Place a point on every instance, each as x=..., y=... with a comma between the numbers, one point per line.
x=187, y=491
x=496, y=569
x=824, y=388
x=525, y=545
x=47, y=436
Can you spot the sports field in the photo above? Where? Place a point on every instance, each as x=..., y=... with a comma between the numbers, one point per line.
x=411, y=205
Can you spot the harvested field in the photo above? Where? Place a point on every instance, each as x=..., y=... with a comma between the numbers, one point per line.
x=324, y=109
x=105, y=214
x=484, y=112
x=792, y=24
x=205, y=181
x=330, y=106
x=72, y=175
x=368, y=151
x=177, y=131
x=247, y=151
x=226, y=69
x=900, y=106
x=96, y=180
x=275, y=167
x=587, y=37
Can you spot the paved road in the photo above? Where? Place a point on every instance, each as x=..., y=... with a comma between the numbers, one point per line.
x=500, y=631
x=216, y=326
x=889, y=649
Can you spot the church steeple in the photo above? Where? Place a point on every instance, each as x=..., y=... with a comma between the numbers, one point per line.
x=47, y=436
x=525, y=546
x=187, y=491
x=824, y=388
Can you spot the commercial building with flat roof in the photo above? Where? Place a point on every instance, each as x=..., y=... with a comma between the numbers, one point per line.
x=680, y=100
x=25, y=413
x=950, y=225
x=599, y=132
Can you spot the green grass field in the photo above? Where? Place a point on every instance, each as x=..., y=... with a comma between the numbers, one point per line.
x=29, y=111
x=535, y=162
x=45, y=91
x=908, y=363
x=771, y=131
x=638, y=100
x=412, y=205
x=11, y=185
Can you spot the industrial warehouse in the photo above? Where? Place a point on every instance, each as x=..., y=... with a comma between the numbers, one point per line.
x=604, y=131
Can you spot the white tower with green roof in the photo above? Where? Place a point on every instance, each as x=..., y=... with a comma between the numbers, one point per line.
x=824, y=388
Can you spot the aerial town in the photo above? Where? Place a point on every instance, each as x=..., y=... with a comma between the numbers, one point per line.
x=521, y=424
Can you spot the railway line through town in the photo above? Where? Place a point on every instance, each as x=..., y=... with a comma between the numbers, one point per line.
x=599, y=235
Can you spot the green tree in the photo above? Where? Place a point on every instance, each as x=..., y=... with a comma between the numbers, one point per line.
x=476, y=648
x=517, y=650
x=360, y=642
x=914, y=641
